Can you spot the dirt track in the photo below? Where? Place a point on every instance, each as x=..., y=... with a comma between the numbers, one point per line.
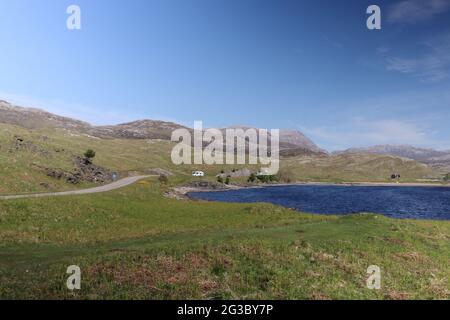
x=107, y=187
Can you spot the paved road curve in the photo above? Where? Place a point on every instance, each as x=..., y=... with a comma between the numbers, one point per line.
x=107, y=187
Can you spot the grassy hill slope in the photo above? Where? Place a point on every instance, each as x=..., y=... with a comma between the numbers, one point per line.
x=25, y=153
x=354, y=168
x=134, y=243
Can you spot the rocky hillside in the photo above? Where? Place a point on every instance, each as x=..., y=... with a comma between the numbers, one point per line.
x=141, y=129
x=292, y=142
x=294, y=139
x=32, y=118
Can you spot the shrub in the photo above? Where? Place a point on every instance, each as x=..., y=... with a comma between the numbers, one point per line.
x=163, y=179
x=89, y=154
x=267, y=178
x=219, y=179
x=252, y=178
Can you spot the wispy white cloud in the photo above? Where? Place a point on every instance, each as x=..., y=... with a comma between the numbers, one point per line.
x=431, y=67
x=333, y=43
x=413, y=11
x=359, y=132
x=383, y=50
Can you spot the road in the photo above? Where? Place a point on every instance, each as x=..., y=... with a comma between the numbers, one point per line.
x=104, y=188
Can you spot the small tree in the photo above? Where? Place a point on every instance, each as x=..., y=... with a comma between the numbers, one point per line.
x=251, y=178
x=227, y=180
x=89, y=154
x=219, y=179
x=447, y=177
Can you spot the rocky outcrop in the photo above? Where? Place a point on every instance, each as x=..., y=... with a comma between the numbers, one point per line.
x=244, y=172
x=181, y=192
x=91, y=172
x=207, y=185
x=84, y=171
x=19, y=144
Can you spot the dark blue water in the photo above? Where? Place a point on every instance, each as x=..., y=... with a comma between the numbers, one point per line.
x=396, y=202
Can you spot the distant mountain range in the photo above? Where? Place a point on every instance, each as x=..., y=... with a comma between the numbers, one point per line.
x=435, y=158
x=49, y=143
x=32, y=118
x=404, y=151
x=292, y=142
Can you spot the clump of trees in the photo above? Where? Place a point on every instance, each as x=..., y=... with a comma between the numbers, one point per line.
x=267, y=178
x=262, y=178
x=221, y=180
x=252, y=178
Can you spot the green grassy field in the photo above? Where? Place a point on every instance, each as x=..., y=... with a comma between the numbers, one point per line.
x=133, y=243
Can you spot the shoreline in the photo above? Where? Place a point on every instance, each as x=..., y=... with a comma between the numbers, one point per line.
x=182, y=191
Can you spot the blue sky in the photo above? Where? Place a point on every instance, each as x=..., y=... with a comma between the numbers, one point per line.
x=307, y=65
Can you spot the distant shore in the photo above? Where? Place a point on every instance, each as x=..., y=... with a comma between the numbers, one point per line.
x=370, y=184
x=182, y=191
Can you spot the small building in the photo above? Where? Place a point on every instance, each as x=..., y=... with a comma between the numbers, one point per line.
x=198, y=174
